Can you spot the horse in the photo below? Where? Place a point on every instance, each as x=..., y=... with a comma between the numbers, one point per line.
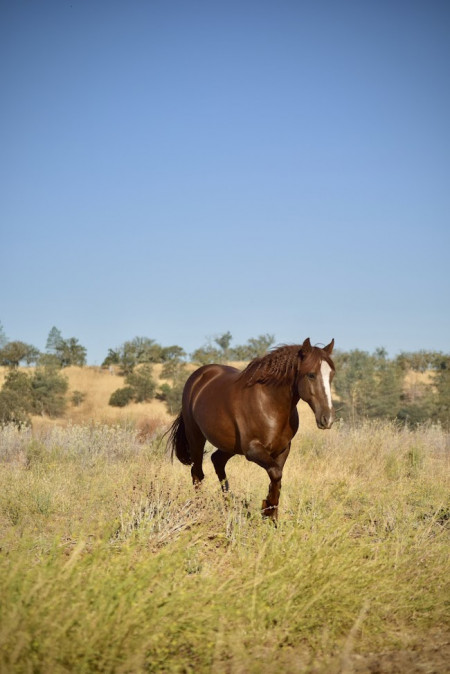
x=253, y=412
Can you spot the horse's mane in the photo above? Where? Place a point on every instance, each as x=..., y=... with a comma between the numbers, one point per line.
x=283, y=365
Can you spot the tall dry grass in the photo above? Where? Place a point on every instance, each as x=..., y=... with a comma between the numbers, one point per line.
x=110, y=561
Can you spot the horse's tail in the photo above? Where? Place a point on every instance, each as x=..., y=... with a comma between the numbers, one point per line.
x=179, y=442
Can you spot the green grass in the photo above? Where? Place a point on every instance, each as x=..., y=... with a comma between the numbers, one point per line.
x=110, y=562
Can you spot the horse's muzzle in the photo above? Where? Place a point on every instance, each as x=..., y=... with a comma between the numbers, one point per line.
x=325, y=421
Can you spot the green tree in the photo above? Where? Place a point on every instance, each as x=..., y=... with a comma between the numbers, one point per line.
x=20, y=383
x=135, y=352
x=223, y=342
x=386, y=397
x=63, y=352
x=172, y=353
x=174, y=369
x=254, y=348
x=14, y=353
x=418, y=361
x=172, y=393
x=142, y=382
x=3, y=338
x=113, y=358
x=12, y=409
x=442, y=383
x=368, y=386
x=71, y=352
x=54, y=340
x=172, y=396
x=40, y=393
x=48, y=392
x=206, y=354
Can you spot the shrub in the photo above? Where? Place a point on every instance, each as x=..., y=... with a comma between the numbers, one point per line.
x=121, y=396
x=77, y=398
x=12, y=409
x=142, y=383
x=172, y=396
x=48, y=392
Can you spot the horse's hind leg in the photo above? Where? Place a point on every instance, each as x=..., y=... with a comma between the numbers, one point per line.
x=219, y=459
x=196, y=445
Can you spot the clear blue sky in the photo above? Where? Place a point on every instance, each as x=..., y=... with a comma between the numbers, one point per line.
x=178, y=169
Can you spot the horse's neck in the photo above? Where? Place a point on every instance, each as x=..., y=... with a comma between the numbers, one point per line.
x=284, y=394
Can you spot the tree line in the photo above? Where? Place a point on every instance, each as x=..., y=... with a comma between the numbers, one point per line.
x=367, y=385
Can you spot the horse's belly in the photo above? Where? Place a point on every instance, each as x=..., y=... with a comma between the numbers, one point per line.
x=220, y=430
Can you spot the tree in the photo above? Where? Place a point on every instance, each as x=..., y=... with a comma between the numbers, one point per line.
x=18, y=384
x=254, y=348
x=172, y=393
x=3, y=338
x=386, y=397
x=172, y=396
x=206, y=354
x=113, y=358
x=368, y=386
x=443, y=392
x=12, y=411
x=71, y=352
x=172, y=353
x=223, y=342
x=48, y=392
x=210, y=354
x=135, y=352
x=14, y=353
x=54, y=340
x=142, y=382
x=64, y=352
x=40, y=393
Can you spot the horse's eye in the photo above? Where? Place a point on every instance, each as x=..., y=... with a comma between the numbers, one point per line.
x=311, y=375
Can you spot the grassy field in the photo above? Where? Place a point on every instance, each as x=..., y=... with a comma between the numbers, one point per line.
x=111, y=563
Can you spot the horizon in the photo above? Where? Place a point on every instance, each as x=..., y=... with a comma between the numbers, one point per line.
x=233, y=344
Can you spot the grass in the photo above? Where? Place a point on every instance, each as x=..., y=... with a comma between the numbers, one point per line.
x=110, y=562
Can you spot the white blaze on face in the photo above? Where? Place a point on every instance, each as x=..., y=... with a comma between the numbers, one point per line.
x=325, y=371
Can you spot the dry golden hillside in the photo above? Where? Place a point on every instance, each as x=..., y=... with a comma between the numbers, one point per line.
x=98, y=384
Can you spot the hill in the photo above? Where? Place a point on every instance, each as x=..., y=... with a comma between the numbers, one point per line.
x=97, y=384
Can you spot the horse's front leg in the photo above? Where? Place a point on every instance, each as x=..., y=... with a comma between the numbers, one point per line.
x=274, y=467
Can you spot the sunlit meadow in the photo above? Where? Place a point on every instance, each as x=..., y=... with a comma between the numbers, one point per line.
x=110, y=562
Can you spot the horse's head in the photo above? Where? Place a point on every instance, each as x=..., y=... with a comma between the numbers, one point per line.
x=314, y=382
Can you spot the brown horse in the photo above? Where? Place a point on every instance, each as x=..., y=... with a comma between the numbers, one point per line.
x=253, y=412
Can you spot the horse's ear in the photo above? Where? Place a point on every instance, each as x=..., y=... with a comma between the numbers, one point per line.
x=329, y=348
x=306, y=346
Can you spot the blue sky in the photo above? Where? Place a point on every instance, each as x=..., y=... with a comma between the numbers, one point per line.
x=179, y=169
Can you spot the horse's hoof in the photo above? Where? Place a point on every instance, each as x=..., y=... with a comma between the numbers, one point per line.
x=269, y=511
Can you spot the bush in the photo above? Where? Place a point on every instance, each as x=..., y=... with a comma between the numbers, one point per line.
x=48, y=392
x=16, y=399
x=142, y=383
x=12, y=409
x=77, y=398
x=121, y=396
